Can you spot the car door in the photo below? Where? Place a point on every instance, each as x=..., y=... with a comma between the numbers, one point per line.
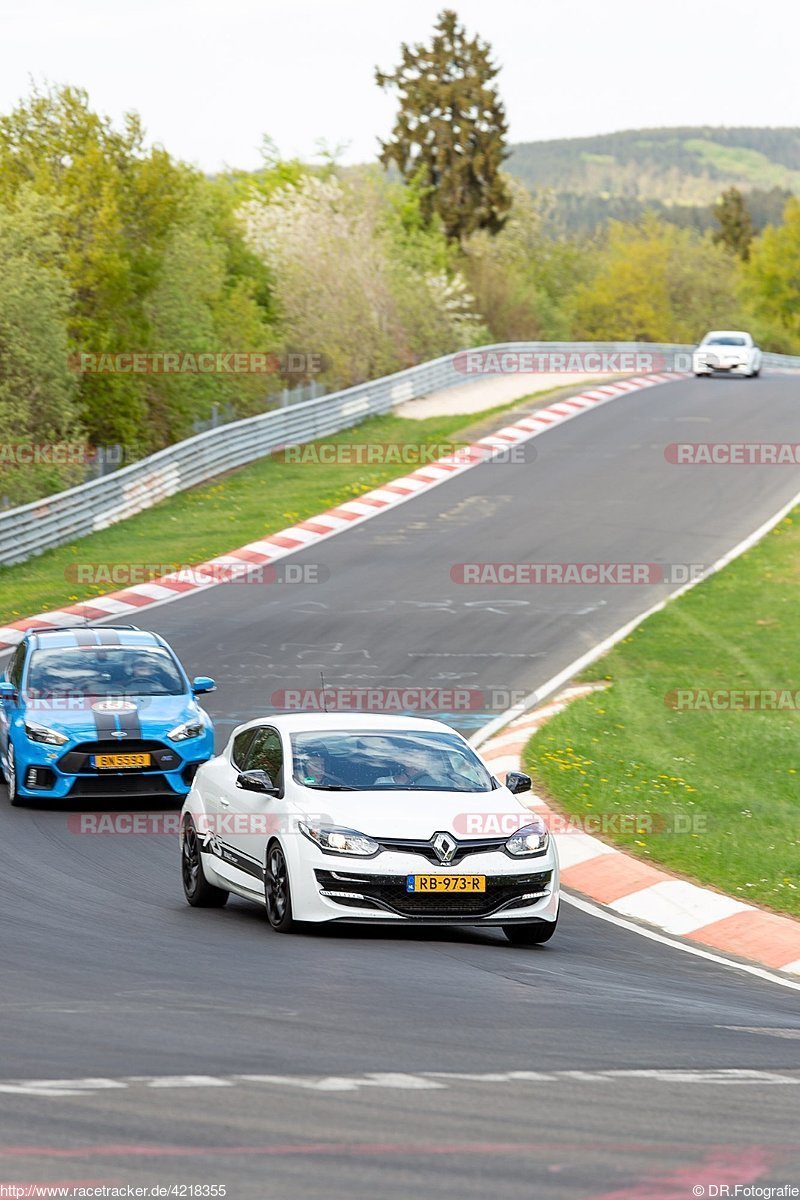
x=9, y=707
x=242, y=819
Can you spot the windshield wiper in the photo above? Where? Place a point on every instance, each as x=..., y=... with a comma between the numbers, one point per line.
x=330, y=787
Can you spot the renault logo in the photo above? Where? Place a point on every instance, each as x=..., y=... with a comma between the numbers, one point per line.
x=444, y=847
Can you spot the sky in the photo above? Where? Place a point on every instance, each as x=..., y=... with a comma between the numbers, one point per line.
x=211, y=77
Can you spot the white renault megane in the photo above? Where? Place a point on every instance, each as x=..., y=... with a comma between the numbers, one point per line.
x=349, y=817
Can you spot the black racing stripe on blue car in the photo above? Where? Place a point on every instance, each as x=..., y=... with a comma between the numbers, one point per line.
x=130, y=724
x=105, y=723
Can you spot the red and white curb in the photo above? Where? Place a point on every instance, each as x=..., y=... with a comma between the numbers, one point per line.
x=637, y=890
x=327, y=524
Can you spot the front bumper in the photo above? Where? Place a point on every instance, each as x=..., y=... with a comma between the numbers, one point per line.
x=722, y=366
x=64, y=772
x=326, y=889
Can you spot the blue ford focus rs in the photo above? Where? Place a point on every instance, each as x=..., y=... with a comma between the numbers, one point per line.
x=98, y=713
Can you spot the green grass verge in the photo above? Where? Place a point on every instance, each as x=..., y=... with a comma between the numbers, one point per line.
x=733, y=777
x=229, y=511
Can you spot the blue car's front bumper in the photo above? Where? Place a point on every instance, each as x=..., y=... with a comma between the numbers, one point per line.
x=61, y=772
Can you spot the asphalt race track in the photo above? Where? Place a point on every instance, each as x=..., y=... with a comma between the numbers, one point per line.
x=375, y=1063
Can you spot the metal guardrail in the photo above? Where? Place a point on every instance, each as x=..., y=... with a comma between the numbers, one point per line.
x=95, y=505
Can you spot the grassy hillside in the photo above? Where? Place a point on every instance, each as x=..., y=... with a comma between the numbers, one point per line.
x=618, y=174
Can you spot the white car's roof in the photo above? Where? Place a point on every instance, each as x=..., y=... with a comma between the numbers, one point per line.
x=319, y=722
x=727, y=333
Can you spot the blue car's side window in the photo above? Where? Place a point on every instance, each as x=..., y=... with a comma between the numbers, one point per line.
x=16, y=665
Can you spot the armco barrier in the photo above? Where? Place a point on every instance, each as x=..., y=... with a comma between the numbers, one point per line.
x=92, y=506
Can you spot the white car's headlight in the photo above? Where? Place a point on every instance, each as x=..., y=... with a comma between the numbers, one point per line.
x=189, y=729
x=339, y=841
x=41, y=733
x=528, y=841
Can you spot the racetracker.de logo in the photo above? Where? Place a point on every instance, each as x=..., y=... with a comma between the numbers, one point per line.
x=706, y=700
x=210, y=826
x=186, y=362
x=571, y=573
x=555, y=362
x=60, y=454
x=733, y=454
x=401, y=454
x=128, y=574
x=397, y=699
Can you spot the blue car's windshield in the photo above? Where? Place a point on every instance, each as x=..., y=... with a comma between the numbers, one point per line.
x=103, y=671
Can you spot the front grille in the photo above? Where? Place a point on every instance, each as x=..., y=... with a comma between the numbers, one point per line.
x=77, y=761
x=389, y=892
x=113, y=784
x=426, y=850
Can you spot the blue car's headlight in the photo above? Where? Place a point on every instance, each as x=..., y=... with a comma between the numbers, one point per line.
x=189, y=729
x=42, y=733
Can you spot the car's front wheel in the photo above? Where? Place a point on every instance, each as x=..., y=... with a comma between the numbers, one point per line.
x=198, y=891
x=277, y=891
x=11, y=778
x=534, y=934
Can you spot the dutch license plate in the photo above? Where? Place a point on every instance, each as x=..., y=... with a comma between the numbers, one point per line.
x=445, y=883
x=117, y=762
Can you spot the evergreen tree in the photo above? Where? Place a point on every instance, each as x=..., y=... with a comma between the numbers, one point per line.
x=450, y=131
x=735, y=223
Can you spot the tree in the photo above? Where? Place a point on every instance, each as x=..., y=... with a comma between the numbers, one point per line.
x=155, y=260
x=117, y=203
x=735, y=223
x=772, y=281
x=655, y=282
x=450, y=131
x=522, y=276
x=357, y=279
x=38, y=392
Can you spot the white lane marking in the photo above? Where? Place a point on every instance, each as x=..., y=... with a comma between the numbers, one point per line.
x=180, y=1081
x=771, y=1031
x=60, y=1087
x=726, y=1075
x=603, y=914
x=404, y=1081
x=347, y=1083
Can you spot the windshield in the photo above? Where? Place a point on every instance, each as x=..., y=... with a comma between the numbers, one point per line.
x=725, y=341
x=104, y=671
x=387, y=761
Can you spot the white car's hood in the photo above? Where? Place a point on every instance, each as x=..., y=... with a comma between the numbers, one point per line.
x=398, y=814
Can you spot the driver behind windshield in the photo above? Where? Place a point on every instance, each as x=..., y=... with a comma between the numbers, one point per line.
x=146, y=674
x=412, y=773
x=315, y=768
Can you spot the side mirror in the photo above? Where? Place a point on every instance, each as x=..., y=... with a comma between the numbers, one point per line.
x=202, y=683
x=256, y=781
x=7, y=691
x=518, y=781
